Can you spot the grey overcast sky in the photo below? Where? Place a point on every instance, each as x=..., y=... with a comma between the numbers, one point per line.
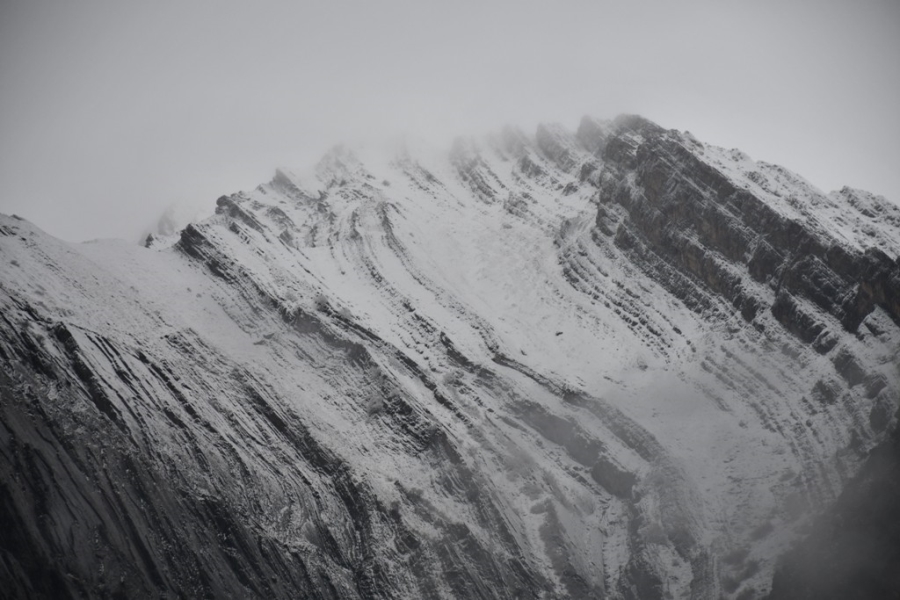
x=111, y=111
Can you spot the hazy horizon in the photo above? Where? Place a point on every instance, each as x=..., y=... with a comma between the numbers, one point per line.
x=111, y=113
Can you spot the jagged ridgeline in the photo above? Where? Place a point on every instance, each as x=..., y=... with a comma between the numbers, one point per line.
x=615, y=363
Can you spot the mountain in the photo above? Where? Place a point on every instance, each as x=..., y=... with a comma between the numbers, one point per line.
x=610, y=363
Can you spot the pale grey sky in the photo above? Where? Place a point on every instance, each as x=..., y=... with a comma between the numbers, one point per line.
x=110, y=111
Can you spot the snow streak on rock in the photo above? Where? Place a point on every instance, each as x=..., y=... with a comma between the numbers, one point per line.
x=611, y=363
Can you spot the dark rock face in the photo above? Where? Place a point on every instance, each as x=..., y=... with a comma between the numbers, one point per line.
x=694, y=218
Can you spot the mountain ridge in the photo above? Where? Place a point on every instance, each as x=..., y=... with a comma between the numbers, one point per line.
x=616, y=362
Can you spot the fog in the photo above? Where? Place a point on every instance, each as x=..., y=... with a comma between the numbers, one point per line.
x=111, y=112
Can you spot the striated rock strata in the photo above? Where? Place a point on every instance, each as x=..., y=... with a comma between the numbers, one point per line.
x=615, y=363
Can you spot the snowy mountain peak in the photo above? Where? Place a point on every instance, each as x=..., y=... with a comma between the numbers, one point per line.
x=616, y=362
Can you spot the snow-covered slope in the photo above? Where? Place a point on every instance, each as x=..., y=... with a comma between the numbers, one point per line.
x=611, y=363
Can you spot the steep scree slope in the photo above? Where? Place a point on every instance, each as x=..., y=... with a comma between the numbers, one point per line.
x=611, y=363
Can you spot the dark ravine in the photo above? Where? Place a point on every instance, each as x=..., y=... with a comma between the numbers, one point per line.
x=615, y=363
x=853, y=550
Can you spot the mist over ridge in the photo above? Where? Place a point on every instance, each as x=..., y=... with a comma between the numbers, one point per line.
x=111, y=113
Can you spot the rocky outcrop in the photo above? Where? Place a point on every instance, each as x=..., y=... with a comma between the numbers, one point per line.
x=686, y=208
